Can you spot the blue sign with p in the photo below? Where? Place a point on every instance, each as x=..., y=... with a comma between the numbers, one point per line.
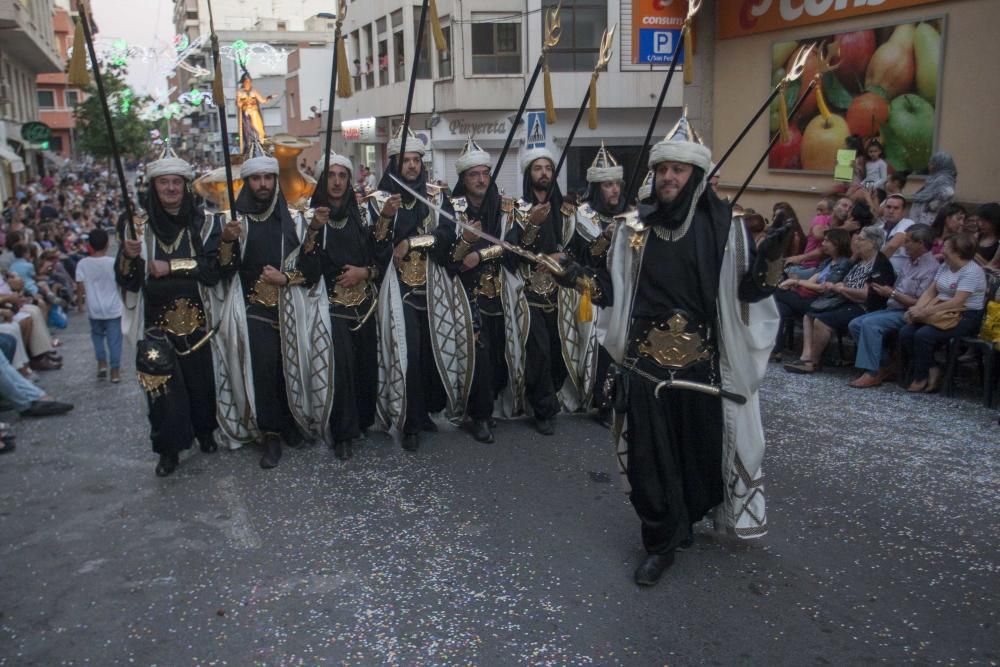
x=658, y=46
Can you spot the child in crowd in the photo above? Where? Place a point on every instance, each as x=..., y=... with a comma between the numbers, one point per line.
x=95, y=277
x=876, y=170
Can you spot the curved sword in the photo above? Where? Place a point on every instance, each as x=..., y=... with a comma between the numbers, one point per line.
x=537, y=258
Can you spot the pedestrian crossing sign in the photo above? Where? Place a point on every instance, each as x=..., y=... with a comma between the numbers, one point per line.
x=536, y=130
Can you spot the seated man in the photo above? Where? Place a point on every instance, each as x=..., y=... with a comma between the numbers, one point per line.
x=24, y=396
x=870, y=329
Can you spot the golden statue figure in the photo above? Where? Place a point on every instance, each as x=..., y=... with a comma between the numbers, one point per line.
x=248, y=101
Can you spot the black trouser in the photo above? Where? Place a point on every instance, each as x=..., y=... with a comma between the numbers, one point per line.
x=544, y=369
x=491, y=364
x=674, y=459
x=355, y=375
x=600, y=377
x=186, y=408
x=424, y=389
x=271, y=399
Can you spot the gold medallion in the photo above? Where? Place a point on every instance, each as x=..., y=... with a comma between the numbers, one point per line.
x=413, y=269
x=674, y=347
x=183, y=318
x=264, y=293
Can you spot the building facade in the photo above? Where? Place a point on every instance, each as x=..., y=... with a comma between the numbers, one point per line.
x=27, y=49
x=475, y=87
x=57, y=100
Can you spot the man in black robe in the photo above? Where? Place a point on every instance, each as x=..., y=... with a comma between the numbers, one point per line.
x=416, y=237
x=340, y=249
x=181, y=255
x=544, y=368
x=477, y=200
x=271, y=237
x=683, y=240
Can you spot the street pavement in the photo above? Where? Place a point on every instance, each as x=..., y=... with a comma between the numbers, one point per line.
x=883, y=545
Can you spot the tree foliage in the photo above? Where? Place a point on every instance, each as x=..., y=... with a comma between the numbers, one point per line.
x=131, y=133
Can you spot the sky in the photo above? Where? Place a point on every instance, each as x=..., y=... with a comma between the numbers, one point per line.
x=142, y=23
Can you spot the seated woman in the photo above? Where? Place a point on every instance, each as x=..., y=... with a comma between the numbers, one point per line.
x=845, y=300
x=988, y=219
x=959, y=286
x=948, y=222
x=795, y=296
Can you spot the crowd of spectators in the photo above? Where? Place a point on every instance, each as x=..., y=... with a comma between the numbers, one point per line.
x=902, y=275
x=46, y=231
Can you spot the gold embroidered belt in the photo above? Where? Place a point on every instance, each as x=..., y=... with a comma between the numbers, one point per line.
x=489, y=284
x=674, y=343
x=182, y=318
x=264, y=293
x=349, y=296
x=413, y=268
x=541, y=283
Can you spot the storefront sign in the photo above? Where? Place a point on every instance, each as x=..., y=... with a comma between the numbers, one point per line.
x=358, y=130
x=656, y=30
x=739, y=18
x=35, y=132
x=480, y=129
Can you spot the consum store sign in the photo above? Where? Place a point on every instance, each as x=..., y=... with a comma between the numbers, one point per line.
x=739, y=18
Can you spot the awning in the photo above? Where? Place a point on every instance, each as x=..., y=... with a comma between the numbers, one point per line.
x=54, y=159
x=12, y=159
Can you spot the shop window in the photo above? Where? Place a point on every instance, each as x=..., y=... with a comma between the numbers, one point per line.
x=423, y=65
x=496, y=47
x=583, y=23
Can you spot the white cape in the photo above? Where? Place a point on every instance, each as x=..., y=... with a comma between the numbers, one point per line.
x=746, y=336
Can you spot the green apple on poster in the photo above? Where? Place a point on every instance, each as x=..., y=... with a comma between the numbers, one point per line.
x=886, y=87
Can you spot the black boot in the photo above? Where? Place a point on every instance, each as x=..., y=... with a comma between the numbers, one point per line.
x=350, y=449
x=480, y=429
x=340, y=449
x=168, y=464
x=411, y=442
x=207, y=443
x=272, y=451
x=545, y=426
x=651, y=569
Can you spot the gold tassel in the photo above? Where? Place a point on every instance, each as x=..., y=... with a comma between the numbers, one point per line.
x=783, y=114
x=688, y=55
x=77, y=74
x=550, y=105
x=592, y=116
x=154, y=385
x=439, y=41
x=343, y=73
x=585, y=313
x=218, y=94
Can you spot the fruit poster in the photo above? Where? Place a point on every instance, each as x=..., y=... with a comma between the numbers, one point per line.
x=885, y=87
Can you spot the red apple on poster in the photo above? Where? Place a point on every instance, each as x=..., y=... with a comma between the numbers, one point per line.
x=785, y=155
x=856, y=49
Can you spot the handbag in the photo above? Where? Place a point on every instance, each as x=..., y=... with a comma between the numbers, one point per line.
x=827, y=302
x=942, y=320
x=155, y=359
x=991, y=323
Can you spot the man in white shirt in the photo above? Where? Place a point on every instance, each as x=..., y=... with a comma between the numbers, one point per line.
x=893, y=217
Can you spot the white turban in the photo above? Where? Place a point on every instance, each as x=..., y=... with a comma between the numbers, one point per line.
x=169, y=166
x=536, y=154
x=335, y=159
x=259, y=165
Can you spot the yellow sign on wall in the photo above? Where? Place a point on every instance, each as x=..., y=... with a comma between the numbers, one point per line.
x=739, y=18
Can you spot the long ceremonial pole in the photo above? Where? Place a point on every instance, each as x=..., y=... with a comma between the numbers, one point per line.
x=337, y=36
x=569, y=142
x=219, y=97
x=519, y=116
x=413, y=81
x=84, y=11
x=774, y=140
x=795, y=71
x=633, y=181
x=739, y=138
